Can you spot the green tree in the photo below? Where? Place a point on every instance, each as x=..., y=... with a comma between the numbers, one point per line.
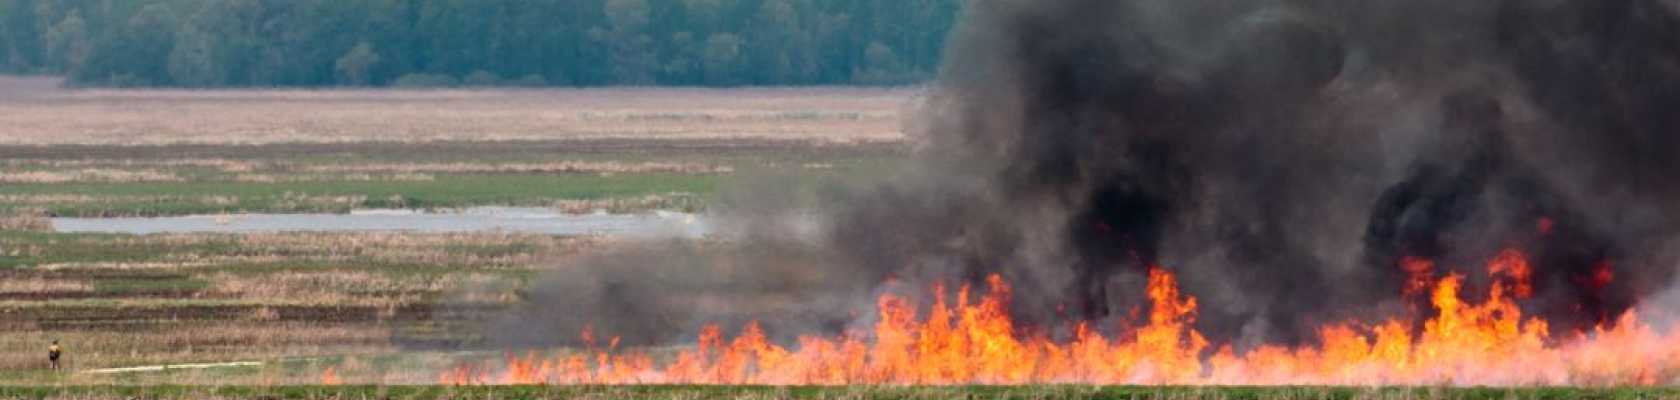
x=721, y=59
x=67, y=42
x=21, y=34
x=192, y=61
x=354, y=67
x=138, y=53
x=628, y=46
x=881, y=66
x=683, y=61
x=206, y=43
x=781, y=48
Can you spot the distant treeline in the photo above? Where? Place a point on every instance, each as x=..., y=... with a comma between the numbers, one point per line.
x=215, y=43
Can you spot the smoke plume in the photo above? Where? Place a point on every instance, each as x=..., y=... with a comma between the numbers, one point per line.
x=1284, y=157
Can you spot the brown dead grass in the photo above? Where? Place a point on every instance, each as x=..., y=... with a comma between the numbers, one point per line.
x=151, y=117
x=26, y=219
x=42, y=285
x=191, y=341
x=563, y=167
x=224, y=165
x=88, y=175
x=357, y=177
x=353, y=288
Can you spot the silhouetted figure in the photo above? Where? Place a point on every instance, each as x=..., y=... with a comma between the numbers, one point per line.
x=53, y=352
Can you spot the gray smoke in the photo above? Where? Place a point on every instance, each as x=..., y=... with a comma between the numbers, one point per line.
x=1280, y=156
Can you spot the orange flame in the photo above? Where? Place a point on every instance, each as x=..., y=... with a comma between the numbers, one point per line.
x=329, y=377
x=1420, y=274
x=1513, y=265
x=1465, y=343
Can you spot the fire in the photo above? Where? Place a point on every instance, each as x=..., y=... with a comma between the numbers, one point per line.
x=1420, y=274
x=1485, y=342
x=329, y=377
x=1513, y=265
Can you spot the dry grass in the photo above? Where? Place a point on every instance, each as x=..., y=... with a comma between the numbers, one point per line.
x=276, y=178
x=180, y=298
x=404, y=247
x=149, y=117
x=177, y=252
x=564, y=167
x=34, y=285
x=224, y=165
x=192, y=341
x=354, y=288
x=27, y=219
x=88, y=175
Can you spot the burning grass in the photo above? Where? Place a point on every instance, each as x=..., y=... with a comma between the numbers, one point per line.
x=1460, y=342
x=822, y=392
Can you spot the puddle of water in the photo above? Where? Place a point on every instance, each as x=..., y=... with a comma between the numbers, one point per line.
x=477, y=219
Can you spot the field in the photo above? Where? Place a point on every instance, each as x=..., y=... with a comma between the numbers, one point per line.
x=372, y=307
x=33, y=112
x=151, y=153
x=296, y=314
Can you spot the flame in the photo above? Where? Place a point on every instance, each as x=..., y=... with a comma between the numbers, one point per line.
x=329, y=377
x=1512, y=264
x=1420, y=274
x=1488, y=342
x=1603, y=274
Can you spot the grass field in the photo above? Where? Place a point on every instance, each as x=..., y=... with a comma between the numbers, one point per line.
x=33, y=112
x=122, y=301
x=94, y=153
x=577, y=176
x=860, y=392
x=391, y=308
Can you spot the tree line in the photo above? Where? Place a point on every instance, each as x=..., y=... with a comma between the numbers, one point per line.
x=421, y=43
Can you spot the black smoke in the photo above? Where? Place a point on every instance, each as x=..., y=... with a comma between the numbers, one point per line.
x=1280, y=156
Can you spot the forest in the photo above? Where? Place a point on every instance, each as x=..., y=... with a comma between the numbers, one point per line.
x=447, y=43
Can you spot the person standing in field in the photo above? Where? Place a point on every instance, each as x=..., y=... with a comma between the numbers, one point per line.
x=53, y=352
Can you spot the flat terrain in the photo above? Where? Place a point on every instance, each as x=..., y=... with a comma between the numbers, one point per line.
x=582, y=176
x=371, y=307
x=276, y=315
x=284, y=298
x=92, y=153
x=32, y=112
